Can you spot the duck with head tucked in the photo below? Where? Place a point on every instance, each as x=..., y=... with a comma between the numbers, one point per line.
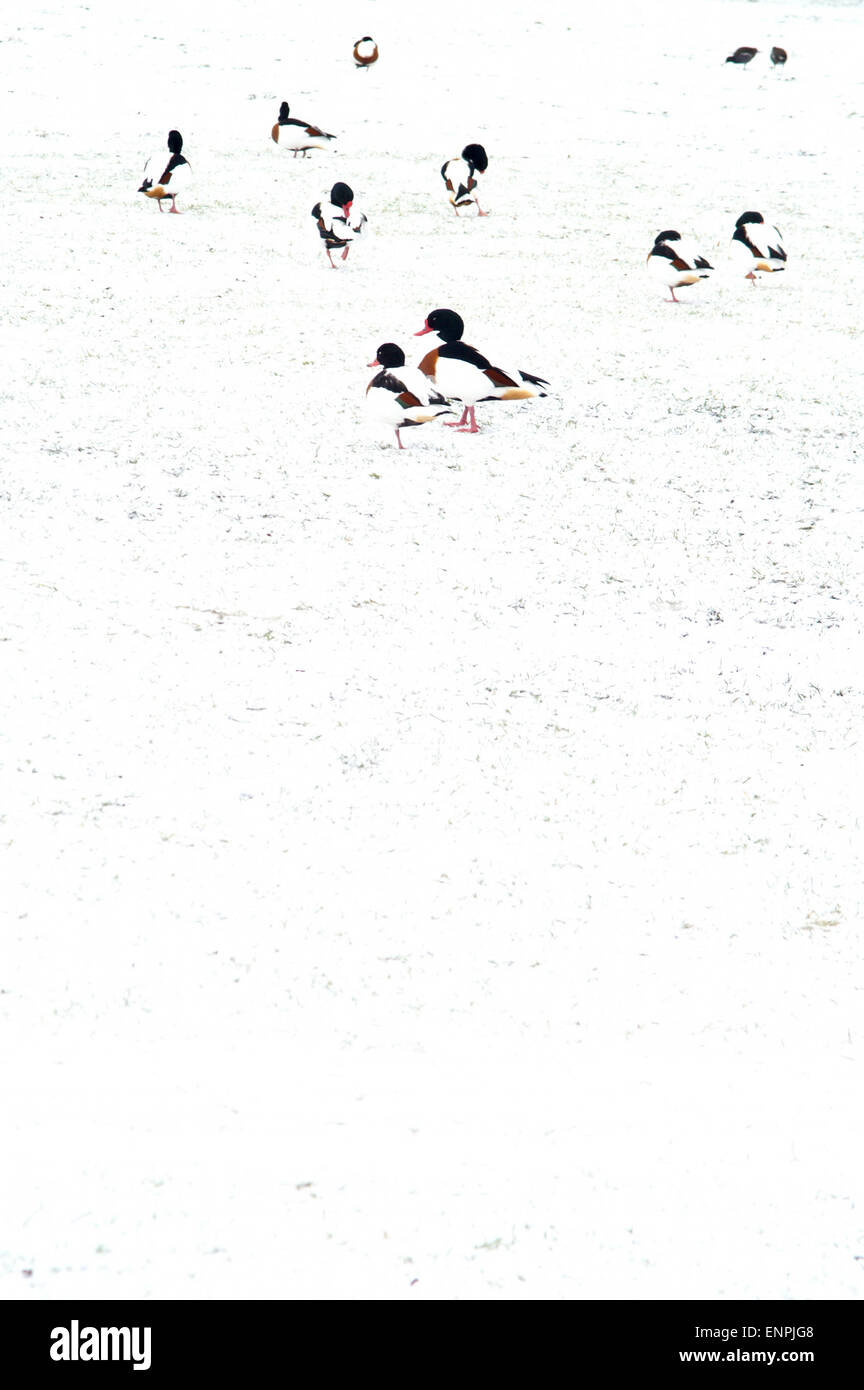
x=365, y=52
x=461, y=175
x=757, y=248
x=675, y=263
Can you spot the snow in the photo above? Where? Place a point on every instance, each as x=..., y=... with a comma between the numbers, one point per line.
x=431, y=874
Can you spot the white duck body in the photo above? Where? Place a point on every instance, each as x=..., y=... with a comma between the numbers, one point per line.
x=387, y=402
x=461, y=373
x=336, y=225
x=460, y=182
x=757, y=248
x=456, y=379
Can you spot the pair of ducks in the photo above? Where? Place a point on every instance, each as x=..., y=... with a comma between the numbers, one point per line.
x=460, y=175
x=744, y=55
x=165, y=180
x=757, y=249
x=401, y=396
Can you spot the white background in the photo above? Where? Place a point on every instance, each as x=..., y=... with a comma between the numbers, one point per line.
x=431, y=874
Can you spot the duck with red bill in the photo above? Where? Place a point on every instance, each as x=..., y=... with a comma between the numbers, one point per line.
x=399, y=395
x=339, y=221
x=463, y=374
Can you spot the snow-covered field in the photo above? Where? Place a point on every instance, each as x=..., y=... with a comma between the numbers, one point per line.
x=431, y=874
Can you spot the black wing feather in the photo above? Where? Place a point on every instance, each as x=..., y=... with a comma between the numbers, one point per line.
x=463, y=352
x=534, y=380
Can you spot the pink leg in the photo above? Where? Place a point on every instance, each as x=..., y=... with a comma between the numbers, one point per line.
x=173, y=207
x=329, y=257
x=345, y=253
x=472, y=428
x=480, y=212
x=673, y=300
x=454, y=424
x=399, y=441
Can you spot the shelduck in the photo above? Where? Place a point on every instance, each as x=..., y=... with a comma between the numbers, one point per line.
x=298, y=136
x=340, y=221
x=400, y=396
x=757, y=247
x=675, y=263
x=173, y=178
x=365, y=52
x=462, y=373
x=742, y=56
x=460, y=178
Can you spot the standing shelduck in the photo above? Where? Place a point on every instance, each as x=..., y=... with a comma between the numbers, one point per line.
x=460, y=178
x=173, y=177
x=365, y=52
x=339, y=221
x=462, y=373
x=298, y=136
x=742, y=56
x=400, y=396
x=756, y=247
x=676, y=264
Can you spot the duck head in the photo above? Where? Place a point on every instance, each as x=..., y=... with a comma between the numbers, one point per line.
x=445, y=323
x=341, y=196
x=389, y=355
x=477, y=156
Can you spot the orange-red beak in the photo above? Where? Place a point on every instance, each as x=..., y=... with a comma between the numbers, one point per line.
x=427, y=329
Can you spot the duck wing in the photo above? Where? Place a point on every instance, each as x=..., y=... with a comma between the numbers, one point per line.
x=309, y=129
x=463, y=352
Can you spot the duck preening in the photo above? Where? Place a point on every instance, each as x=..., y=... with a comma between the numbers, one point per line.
x=173, y=177
x=460, y=178
x=298, y=136
x=676, y=263
x=778, y=56
x=743, y=55
x=757, y=247
x=400, y=396
x=365, y=52
x=462, y=373
x=339, y=220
